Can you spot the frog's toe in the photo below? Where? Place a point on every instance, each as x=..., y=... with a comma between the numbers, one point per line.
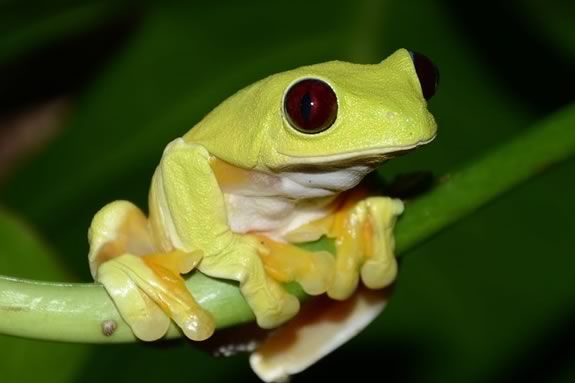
x=270, y=316
x=173, y=296
x=271, y=303
x=196, y=326
x=316, y=278
x=377, y=274
x=147, y=321
x=343, y=285
x=148, y=290
x=154, y=325
x=380, y=268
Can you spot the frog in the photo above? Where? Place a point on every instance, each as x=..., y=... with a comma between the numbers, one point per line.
x=280, y=162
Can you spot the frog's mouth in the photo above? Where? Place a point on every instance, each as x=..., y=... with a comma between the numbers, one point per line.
x=371, y=158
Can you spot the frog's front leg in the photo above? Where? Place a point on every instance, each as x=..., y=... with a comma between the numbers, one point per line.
x=363, y=232
x=198, y=221
x=144, y=282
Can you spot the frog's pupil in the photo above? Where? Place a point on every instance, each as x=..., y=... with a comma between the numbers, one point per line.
x=306, y=106
x=310, y=106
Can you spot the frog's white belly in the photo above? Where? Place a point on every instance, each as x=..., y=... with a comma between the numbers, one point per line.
x=272, y=216
x=277, y=204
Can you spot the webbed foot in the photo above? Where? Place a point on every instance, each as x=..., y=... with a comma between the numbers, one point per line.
x=365, y=245
x=363, y=232
x=145, y=284
x=148, y=290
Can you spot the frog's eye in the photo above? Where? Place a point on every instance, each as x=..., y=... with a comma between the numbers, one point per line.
x=427, y=73
x=310, y=106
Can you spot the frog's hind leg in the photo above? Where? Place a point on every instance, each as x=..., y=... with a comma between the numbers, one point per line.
x=144, y=283
x=119, y=227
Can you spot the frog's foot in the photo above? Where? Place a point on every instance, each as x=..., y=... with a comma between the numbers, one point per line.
x=380, y=267
x=286, y=263
x=146, y=286
x=364, y=245
x=270, y=302
x=363, y=232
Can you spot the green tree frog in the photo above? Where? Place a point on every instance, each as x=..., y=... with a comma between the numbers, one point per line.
x=276, y=164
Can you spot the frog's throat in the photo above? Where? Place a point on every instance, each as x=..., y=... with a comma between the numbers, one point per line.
x=371, y=157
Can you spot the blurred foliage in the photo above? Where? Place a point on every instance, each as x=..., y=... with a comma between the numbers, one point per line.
x=22, y=254
x=490, y=300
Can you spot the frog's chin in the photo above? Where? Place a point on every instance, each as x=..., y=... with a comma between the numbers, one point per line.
x=371, y=157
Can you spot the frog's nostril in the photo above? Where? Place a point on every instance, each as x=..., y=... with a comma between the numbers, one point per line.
x=427, y=73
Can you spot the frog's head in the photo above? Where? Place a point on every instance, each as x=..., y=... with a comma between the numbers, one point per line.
x=331, y=115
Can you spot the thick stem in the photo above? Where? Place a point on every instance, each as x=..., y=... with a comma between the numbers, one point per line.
x=77, y=312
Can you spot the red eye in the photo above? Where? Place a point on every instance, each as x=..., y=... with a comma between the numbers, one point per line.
x=310, y=106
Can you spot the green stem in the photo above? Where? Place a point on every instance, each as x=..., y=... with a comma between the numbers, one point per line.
x=75, y=312
x=548, y=142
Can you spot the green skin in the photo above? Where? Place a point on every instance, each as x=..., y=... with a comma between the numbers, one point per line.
x=200, y=219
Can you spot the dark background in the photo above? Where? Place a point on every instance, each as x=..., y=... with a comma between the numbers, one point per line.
x=91, y=92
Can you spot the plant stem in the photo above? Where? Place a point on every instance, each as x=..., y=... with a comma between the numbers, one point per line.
x=548, y=142
x=75, y=312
